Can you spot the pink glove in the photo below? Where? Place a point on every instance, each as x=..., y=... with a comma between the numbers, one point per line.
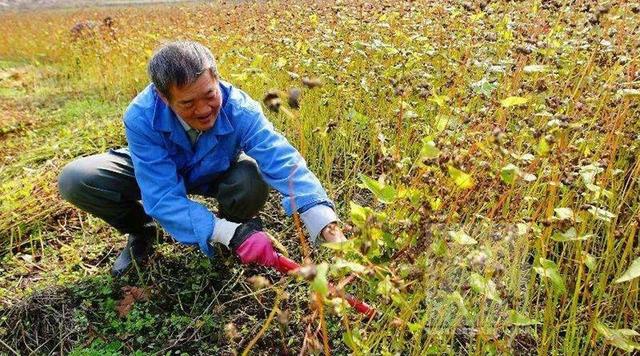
x=257, y=248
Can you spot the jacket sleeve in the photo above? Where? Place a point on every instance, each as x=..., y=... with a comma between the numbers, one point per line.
x=164, y=195
x=280, y=163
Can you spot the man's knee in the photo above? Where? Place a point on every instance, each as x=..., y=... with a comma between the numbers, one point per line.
x=74, y=177
x=243, y=192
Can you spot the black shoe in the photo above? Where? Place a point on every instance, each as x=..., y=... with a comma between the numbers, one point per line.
x=138, y=248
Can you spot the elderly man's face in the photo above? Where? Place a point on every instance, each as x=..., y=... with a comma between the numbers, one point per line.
x=198, y=103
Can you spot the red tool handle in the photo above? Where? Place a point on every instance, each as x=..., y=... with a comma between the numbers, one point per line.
x=285, y=265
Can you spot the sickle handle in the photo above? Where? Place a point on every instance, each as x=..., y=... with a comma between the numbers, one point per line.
x=285, y=264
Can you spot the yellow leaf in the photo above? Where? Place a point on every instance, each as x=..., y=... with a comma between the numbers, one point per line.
x=462, y=179
x=514, y=101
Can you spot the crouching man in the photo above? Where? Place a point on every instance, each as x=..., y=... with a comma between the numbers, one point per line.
x=189, y=132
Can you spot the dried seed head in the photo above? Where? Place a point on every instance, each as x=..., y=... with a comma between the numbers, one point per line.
x=314, y=345
x=271, y=94
x=231, y=331
x=273, y=104
x=479, y=260
x=307, y=272
x=294, y=97
x=498, y=269
x=331, y=125
x=258, y=282
x=283, y=317
x=397, y=323
x=272, y=100
x=347, y=228
x=311, y=82
x=524, y=50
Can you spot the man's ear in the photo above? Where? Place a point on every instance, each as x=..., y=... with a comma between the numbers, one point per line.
x=166, y=101
x=213, y=75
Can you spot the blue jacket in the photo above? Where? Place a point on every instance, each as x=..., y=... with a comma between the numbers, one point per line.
x=167, y=166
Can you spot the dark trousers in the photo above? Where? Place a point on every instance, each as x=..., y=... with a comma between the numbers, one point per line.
x=104, y=185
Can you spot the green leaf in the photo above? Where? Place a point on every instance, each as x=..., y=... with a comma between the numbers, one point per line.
x=352, y=339
x=462, y=238
x=619, y=338
x=460, y=178
x=598, y=191
x=385, y=287
x=320, y=283
x=439, y=248
x=435, y=204
x=543, y=147
x=632, y=272
x=535, y=68
x=413, y=194
x=441, y=122
x=429, y=150
x=629, y=92
x=339, y=246
x=313, y=20
x=509, y=173
x=384, y=193
x=440, y=100
x=351, y=266
x=481, y=285
x=415, y=328
x=526, y=157
x=522, y=229
x=589, y=172
x=601, y=214
x=628, y=332
x=360, y=119
x=589, y=261
x=240, y=77
x=281, y=62
x=520, y=319
x=484, y=87
x=513, y=101
x=456, y=298
x=564, y=213
x=570, y=235
x=358, y=214
x=257, y=60
x=548, y=269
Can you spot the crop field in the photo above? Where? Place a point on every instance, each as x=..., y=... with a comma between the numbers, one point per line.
x=483, y=157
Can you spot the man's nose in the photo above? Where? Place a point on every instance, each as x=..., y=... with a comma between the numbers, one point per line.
x=202, y=109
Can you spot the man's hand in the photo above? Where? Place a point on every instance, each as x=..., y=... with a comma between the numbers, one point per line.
x=252, y=245
x=258, y=249
x=333, y=233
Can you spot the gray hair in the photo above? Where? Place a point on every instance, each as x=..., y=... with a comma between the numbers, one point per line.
x=179, y=63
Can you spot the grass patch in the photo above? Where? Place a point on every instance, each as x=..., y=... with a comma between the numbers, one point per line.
x=40, y=140
x=10, y=93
